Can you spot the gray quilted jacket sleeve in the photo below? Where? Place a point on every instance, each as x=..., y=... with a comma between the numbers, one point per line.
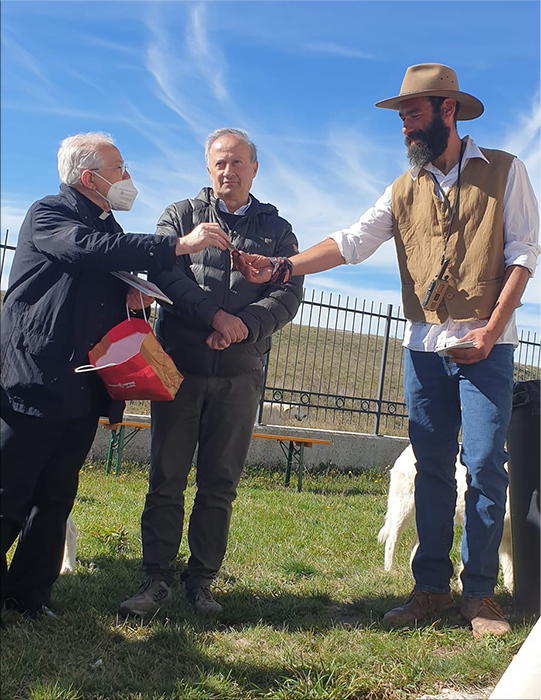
x=278, y=305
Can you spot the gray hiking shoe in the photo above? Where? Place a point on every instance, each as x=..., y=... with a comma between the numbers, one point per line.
x=202, y=601
x=151, y=596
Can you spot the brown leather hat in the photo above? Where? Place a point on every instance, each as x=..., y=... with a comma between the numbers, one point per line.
x=434, y=80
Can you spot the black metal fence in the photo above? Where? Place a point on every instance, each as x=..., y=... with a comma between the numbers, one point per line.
x=340, y=364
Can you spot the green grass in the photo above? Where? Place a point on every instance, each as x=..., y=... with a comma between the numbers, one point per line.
x=303, y=593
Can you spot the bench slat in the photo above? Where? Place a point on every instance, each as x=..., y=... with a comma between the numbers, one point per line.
x=124, y=424
x=293, y=438
x=293, y=455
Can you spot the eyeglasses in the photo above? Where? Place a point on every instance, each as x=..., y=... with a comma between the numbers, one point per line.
x=123, y=168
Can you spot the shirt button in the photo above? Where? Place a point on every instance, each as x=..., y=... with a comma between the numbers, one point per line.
x=449, y=295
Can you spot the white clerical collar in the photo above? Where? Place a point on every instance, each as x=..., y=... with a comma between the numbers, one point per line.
x=104, y=214
x=240, y=211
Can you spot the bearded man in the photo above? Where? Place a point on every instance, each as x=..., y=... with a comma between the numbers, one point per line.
x=465, y=223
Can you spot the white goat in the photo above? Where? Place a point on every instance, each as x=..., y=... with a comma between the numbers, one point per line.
x=278, y=413
x=401, y=512
x=70, y=547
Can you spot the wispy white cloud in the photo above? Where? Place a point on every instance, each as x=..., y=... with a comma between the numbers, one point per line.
x=525, y=132
x=91, y=80
x=528, y=319
x=25, y=71
x=108, y=45
x=206, y=54
x=524, y=140
x=189, y=73
x=357, y=163
x=22, y=58
x=332, y=284
x=338, y=50
x=158, y=65
x=11, y=217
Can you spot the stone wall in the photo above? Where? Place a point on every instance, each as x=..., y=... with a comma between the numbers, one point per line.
x=348, y=450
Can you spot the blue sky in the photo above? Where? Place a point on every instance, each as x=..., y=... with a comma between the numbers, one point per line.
x=301, y=77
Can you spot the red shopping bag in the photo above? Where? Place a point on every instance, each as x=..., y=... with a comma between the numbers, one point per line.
x=133, y=365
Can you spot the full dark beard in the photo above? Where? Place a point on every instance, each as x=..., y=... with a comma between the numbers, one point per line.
x=433, y=142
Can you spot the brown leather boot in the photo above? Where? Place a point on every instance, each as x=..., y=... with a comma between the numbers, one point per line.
x=485, y=616
x=419, y=605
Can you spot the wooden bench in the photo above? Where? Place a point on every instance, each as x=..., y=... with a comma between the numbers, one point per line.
x=120, y=438
x=293, y=449
x=292, y=446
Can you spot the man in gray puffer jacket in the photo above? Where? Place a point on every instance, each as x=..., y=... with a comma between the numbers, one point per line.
x=218, y=332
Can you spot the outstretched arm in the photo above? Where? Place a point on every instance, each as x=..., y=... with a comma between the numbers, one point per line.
x=259, y=269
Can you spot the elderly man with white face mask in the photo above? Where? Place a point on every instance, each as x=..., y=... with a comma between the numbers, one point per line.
x=60, y=301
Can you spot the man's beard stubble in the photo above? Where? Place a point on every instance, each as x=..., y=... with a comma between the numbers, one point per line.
x=433, y=142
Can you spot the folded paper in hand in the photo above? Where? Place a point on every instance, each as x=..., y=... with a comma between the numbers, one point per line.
x=142, y=285
x=444, y=352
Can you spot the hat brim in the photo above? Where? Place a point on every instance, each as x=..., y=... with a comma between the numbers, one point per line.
x=470, y=106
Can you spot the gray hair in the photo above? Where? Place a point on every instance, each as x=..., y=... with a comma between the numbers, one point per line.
x=79, y=152
x=240, y=133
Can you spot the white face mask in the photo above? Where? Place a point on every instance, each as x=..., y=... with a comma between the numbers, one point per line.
x=121, y=195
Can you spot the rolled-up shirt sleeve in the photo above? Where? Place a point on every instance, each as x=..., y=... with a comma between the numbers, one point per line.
x=362, y=239
x=520, y=222
x=520, y=219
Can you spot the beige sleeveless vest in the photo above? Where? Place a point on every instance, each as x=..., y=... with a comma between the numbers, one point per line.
x=475, y=246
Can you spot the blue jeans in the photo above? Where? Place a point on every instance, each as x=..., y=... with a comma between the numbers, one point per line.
x=442, y=397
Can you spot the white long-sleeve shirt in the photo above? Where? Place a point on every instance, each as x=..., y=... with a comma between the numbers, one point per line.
x=520, y=231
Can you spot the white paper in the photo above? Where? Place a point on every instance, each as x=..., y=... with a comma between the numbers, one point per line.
x=443, y=352
x=142, y=285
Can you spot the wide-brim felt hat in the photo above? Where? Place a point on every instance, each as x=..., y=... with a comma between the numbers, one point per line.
x=434, y=80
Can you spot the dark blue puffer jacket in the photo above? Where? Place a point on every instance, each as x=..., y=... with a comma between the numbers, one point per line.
x=203, y=283
x=61, y=300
